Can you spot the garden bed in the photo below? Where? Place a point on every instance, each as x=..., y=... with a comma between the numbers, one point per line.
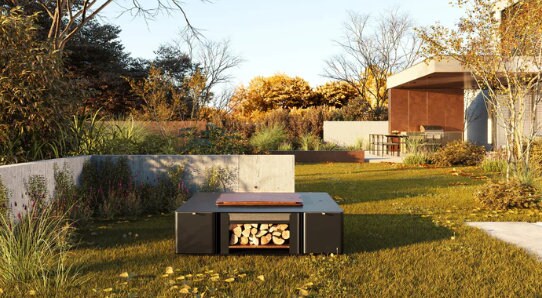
x=325, y=156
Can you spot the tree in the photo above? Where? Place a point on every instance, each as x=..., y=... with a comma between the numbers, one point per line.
x=335, y=94
x=96, y=58
x=67, y=17
x=372, y=52
x=275, y=92
x=502, y=52
x=162, y=100
x=34, y=95
x=212, y=63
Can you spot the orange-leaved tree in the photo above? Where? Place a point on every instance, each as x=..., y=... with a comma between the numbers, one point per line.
x=274, y=92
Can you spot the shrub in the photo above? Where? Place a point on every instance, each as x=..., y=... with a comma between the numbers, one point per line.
x=416, y=159
x=169, y=192
x=217, y=179
x=34, y=250
x=36, y=189
x=458, y=153
x=504, y=195
x=66, y=197
x=268, y=138
x=214, y=140
x=4, y=198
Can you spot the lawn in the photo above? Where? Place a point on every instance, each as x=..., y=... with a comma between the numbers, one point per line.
x=404, y=236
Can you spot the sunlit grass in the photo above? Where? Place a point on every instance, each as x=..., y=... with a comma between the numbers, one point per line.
x=404, y=236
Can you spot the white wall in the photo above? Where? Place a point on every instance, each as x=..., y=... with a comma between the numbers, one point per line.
x=252, y=173
x=348, y=133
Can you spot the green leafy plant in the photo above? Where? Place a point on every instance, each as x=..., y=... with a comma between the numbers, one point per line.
x=67, y=198
x=458, y=153
x=36, y=189
x=268, y=138
x=4, y=198
x=504, y=195
x=217, y=179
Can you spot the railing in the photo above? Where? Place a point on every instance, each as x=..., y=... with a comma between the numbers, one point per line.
x=412, y=142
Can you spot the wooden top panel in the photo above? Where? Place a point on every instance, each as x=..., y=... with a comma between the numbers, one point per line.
x=259, y=199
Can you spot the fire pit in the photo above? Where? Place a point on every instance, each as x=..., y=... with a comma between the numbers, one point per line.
x=293, y=223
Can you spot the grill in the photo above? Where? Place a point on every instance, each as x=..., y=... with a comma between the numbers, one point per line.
x=432, y=132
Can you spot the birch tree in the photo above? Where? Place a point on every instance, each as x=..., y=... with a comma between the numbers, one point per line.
x=499, y=42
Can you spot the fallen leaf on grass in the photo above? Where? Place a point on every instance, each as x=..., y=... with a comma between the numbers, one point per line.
x=169, y=270
x=165, y=275
x=184, y=291
x=180, y=277
x=231, y=279
x=303, y=292
x=32, y=293
x=124, y=275
x=215, y=278
x=108, y=290
x=242, y=275
x=261, y=277
x=1, y=291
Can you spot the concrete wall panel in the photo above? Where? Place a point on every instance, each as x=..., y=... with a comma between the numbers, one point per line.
x=348, y=133
x=266, y=173
x=269, y=173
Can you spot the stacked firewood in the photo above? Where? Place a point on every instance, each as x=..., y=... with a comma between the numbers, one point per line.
x=259, y=234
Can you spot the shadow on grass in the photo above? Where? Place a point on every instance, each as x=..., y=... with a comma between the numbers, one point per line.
x=366, y=233
x=358, y=190
x=107, y=234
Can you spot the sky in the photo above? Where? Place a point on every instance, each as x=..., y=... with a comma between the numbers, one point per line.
x=293, y=37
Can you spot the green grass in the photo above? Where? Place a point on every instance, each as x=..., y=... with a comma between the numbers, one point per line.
x=404, y=236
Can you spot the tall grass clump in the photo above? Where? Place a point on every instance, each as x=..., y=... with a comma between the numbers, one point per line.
x=34, y=249
x=309, y=142
x=4, y=198
x=492, y=164
x=417, y=159
x=268, y=138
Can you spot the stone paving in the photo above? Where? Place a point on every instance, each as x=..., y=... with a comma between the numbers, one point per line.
x=525, y=235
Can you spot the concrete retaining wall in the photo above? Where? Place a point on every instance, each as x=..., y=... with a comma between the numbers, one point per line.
x=349, y=133
x=251, y=173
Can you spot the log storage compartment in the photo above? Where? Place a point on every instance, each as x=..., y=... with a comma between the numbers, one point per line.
x=257, y=227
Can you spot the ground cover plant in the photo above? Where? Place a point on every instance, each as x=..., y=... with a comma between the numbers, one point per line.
x=404, y=236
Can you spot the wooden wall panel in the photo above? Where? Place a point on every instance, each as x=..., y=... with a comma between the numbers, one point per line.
x=411, y=108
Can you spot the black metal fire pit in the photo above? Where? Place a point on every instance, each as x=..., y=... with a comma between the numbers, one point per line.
x=300, y=223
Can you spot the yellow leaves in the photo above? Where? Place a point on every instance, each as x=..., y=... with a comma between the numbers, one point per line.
x=242, y=275
x=184, y=291
x=1, y=291
x=229, y=280
x=32, y=293
x=107, y=290
x=180, y=277
x=261, y=277
x=303, y=292
x=124, y=275
x=169, y=270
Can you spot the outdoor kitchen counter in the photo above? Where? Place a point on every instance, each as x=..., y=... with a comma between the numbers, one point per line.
x=202, y=227
x=312, y=202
